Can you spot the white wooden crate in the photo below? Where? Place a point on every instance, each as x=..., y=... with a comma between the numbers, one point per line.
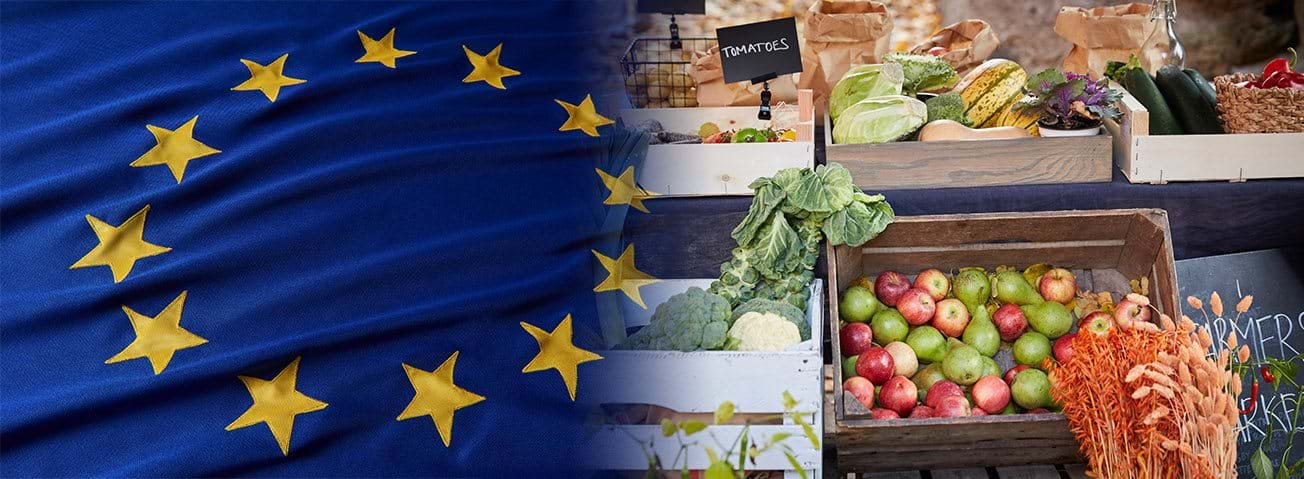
x=719, y=169
x=1162, y=158
x=699, y=381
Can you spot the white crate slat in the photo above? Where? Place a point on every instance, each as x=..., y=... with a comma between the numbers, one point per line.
x=1162, y=158
x=626, y=450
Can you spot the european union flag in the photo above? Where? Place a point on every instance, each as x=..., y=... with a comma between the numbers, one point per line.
x=302, y=239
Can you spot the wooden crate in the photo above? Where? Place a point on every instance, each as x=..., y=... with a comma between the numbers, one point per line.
x=720, y=169
x=1105, y=247
x=1163, y=158
x=959, y=164
x=697, y=382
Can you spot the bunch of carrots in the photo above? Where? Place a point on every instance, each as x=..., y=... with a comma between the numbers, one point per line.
x=1148, y=400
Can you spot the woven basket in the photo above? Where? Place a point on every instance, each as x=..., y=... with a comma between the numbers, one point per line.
x=1258, y=110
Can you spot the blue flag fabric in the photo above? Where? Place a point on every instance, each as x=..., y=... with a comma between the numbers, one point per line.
x=368, y=218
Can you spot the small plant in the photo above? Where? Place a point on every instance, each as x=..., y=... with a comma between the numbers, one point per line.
x=1069, y=101
x=728, y=461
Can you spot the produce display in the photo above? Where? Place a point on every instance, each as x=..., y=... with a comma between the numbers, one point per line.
x=1180, y=101
x=710, y=133
x=759, y=302
x=932, y=343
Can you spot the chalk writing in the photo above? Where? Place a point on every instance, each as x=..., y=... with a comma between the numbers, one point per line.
x=730, y=51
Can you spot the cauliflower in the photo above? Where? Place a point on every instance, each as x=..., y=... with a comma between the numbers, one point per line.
x=762, y=332
x=924, y=72
x=688, y=321
x=947, y=106
x=784, y=310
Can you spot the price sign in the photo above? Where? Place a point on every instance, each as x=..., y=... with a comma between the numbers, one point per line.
x=675, y=7
x=759, y=51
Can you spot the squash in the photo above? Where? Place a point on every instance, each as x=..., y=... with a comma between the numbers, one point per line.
x=947, y=130
x=1010, y=117
x=991, y=88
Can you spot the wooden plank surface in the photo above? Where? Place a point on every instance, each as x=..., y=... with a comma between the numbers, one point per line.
x=1028, y=472
x=959, y=474
x=1076, y=471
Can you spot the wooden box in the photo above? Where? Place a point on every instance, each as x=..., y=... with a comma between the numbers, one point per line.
x=721, y=169
x=1105, y=249
x=1163, y=158
x=697, y=382
x=959, y=164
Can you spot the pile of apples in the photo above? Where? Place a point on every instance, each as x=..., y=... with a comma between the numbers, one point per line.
x=926, y=348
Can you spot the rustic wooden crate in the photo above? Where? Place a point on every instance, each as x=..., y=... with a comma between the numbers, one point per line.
x=1163, y=158
x=1104, y=247
x=959, y=164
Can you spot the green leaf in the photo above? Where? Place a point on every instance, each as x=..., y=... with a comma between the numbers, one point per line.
x=867, y=199
x=789, y=178
x=720, y=470
x=742, y=451
x=692, y=426
x=668, y=427
x=795, y=465
x=810, y=431
x=778, y=250
x=828, y=190
x=710, y=454
x=724, y=412
x=858, y=223
x=779, y=437
x=1049, y=76
x=767, y=199
x=788, y=402
x=1261, y=466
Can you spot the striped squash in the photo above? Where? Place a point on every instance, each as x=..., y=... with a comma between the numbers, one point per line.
x=991, y=88
x=1025, y=120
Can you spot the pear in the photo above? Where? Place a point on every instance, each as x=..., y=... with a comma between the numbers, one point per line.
x=963, y=365
x=1049, y=318
x=982, y=335
x=1010, y=287
x=972, y=287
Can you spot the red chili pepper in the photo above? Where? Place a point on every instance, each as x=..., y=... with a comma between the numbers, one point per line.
x=1280, y=65
x=1254, y=398
x=1267, y=375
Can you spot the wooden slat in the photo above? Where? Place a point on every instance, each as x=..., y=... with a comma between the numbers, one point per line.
x=959, y=474
x=1076, y=471
x=1028, y=472
x=891, y=475
x=1095, y=256
x=1030, y=227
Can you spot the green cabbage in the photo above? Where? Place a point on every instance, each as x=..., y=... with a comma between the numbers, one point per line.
x=865, y=81
x=880, y=120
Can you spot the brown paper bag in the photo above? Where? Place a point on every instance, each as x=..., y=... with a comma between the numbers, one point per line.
x=1109, y=33
x=968, y=44
x=843, y=34
x=713, y=91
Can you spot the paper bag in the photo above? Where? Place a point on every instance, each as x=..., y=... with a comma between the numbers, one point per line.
x=844, y=34
x=968, y=44
x=1109, y=33
x=712, y=91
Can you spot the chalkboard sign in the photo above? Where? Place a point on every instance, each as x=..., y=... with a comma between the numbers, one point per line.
x=760, y=50
x=1273, y=327
x=677, y=7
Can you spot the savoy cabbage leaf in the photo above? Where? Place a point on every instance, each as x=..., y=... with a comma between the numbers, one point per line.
x=858, y=223
x=764, y=203
x=828, y=190
x=778, y=249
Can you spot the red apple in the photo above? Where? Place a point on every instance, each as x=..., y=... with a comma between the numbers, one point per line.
x=1063, y=348
x=951, y=317
x=862, y=389
x=876, y=365
x=933, y=281
x=1098, y=323
x=916, y=306
x=941, y=390
x=952, y=406
x=1133, y=308
x=977, y=411
x=855, y=338
x=1010, y=322
x=991, y=394
x=1058, y=285
x=889, y=287
x=880, y=413
x=921, y=412
x=1014, y=371
x=899, y=394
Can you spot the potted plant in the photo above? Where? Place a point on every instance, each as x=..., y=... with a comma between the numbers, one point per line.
x=1069, y=104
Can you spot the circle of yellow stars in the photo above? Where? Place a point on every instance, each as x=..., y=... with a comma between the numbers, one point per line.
x=278, y=401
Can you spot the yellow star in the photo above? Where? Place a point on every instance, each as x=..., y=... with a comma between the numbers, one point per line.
x=276, y=402
x=120, y=246
x=268, y=79
x=557, y=351
x=437, y=396
x=174, y=148
x=583, y=117
x=487, y=68
x=623, y=276
x=159, y=337
x=623, y=189
x=383, y=51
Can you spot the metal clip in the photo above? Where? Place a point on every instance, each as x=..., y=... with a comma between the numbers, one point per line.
x=675, y=43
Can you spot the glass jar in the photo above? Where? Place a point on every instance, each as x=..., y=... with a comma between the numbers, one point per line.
x=1163, y=19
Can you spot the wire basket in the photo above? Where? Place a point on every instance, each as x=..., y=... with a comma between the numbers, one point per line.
x=656, y=76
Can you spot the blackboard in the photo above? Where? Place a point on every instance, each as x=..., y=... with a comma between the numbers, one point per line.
x=759, y=50
x=1273, y=327
x=672, y=6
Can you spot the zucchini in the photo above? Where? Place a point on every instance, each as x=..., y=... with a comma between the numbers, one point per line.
x=1205, y=88
x=1193, y=112
x=1140, y=85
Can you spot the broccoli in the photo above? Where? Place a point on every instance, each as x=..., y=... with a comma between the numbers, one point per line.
x=947, y=106
x=688, y=321
x=924, y=72
x=784, y=310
